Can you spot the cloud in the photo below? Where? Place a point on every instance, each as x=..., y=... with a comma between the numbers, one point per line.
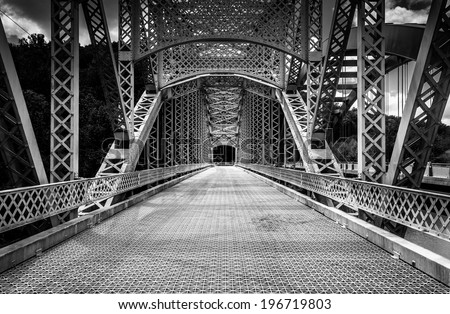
x=401, y=15
x=34, y=17
x=11, y=17
x=413, y=5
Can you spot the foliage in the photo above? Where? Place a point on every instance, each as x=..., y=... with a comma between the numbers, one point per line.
x=32, y=58
x=346, y=148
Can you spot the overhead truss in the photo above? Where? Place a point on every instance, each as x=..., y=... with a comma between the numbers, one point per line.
x=171, y=23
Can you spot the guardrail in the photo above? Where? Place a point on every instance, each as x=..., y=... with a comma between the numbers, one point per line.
x=22, y=206
x=434, y=170
x=425, y=211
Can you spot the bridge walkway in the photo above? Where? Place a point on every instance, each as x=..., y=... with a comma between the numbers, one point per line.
x=221, y=231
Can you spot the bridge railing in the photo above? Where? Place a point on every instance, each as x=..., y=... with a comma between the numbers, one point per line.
x=22, y=206
x=425, y=211
x=436, y=170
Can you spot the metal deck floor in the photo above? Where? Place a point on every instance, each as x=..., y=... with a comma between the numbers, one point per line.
x=221, y=231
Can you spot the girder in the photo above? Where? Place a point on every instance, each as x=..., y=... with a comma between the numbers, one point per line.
x=183, y=61
x=316, y=157
x=122, y=159
x=171, y=23
x=127, y=44
x=333, y=63
x=295, y=65
x=64, y=141
x=99, y=34
x=371, y=91
x=314, y=66
x=20, y=160
x=426, y=101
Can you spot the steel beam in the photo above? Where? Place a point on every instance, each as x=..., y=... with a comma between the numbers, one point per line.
x=314, y=67
x=316, y=158
x=64, y=142
x=295, y=112
x=128, y=19
x=99, y=34
x=121, y=159
x=371, y=87
x=426, y=101
x=300, y=39
x=21, y=163
x=334, y=59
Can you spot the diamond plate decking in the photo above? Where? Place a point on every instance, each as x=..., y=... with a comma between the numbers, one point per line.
x=221, y=231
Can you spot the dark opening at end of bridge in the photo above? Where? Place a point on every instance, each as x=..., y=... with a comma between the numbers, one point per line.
x=224, y=154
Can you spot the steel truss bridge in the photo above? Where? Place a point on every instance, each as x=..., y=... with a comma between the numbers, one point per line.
x=268, y=78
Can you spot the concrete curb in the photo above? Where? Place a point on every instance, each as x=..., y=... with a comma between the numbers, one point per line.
x=23, y=250
x=425, y=260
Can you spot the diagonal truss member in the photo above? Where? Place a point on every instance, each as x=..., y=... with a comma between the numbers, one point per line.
x=99, y=34
x=121, y=159
x=20, y=161
x=315, y=159
x=426, y=101
x=333, y=63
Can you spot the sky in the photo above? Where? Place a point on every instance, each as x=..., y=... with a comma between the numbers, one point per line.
x=34, y=17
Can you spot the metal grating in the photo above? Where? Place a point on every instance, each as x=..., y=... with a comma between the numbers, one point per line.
x=217, y=232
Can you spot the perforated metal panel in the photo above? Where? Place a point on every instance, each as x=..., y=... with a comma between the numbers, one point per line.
x=221, y=231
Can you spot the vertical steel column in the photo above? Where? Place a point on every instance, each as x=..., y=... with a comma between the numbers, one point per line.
x=371, y=98
x=128, y=18
x=178, y=130
x=276, y=132
x=244, y=130
x=266, y=131
x=169, y=133
x=152, y=145
x=298, y=39
x=19, y=152
x=426, y=101
x=314, y=59
x=258, y=125
x=64, y=142
x=206, y=139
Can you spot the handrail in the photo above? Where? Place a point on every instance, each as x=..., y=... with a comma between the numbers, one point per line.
x=22, y=206
x=421, y=210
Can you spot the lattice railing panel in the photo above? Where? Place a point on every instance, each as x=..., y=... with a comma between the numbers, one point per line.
x=26, y=205
x=425, y=211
